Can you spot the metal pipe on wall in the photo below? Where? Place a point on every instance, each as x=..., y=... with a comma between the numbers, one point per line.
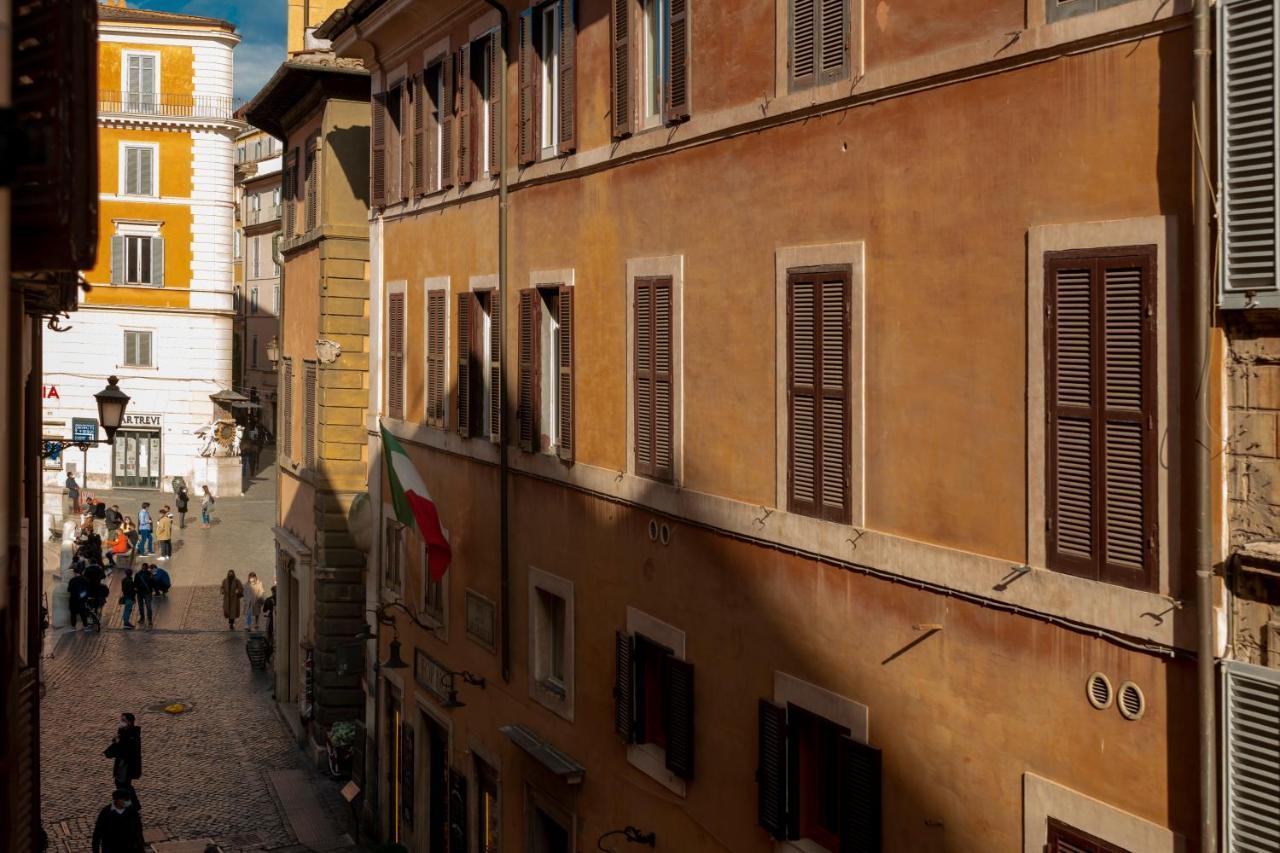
x=1203, y=221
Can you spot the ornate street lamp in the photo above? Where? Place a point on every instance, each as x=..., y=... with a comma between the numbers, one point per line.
x=396, y=661
x=111, y=405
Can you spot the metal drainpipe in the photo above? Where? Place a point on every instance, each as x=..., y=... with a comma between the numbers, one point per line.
x=504, y=566
x=1205, y=664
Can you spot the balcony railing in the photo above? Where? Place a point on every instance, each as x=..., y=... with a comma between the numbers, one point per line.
x=164, y=105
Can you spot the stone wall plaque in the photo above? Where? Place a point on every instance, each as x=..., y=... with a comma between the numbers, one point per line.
x=481, y=620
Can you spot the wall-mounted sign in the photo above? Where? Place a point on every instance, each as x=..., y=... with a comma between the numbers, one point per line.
x=142, y=421
x=84, y=429
x=481, y=614
x=49, y=392
x=431, y=675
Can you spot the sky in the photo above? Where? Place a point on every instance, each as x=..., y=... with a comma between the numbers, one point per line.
x=261, y=24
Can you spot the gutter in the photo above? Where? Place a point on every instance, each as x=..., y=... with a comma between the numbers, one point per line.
x=1202, y=55
x=504, y=468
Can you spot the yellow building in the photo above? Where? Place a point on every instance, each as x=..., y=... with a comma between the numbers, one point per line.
x=159, y=311
x=304, y=17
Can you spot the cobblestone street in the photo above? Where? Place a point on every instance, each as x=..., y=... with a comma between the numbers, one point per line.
x=226, y=770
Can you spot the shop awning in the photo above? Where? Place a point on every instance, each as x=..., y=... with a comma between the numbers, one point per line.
x=547, y=754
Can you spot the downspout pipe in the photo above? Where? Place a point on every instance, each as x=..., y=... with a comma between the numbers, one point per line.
x=504, y=470
x=1202, y=35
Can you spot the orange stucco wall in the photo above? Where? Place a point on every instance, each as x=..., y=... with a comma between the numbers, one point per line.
x=176, y=62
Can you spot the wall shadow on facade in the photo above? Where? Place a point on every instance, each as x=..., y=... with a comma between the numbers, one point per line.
x=350, y=149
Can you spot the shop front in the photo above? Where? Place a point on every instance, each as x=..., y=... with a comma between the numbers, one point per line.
x=136, y=458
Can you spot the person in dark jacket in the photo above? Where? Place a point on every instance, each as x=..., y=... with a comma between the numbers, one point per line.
x=113, y=519
x=119, y=826
x=181, y=502
x=144, y=586
x=126, y=752
x=128, y=596
x=78, y=597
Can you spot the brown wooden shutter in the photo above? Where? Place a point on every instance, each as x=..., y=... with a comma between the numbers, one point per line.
x=679, y=712
x=395, y=356
x=309, y=414
x=528, y=152
x=1068, y=839
x=408, y=771
x=446, y=123
x=653, y=385
x=530, y=316
x=677, y=77
x=287, y=192
x=495, y=367
x=465, y=94
x=771, y=768
x=435, y=357
x=378, y=151
x=288, y=408
x=496, y=115
x=564, y=387
x=466, y=303
x=624, y=706
x=802, y=25
x=643, y=377
x=859, y=797
x=833, y=40
x=313, y=186
x=623, y=106
x=434, y=116
x=568, y=77
x=818, y=452
x=1101, y=508
x=418, y=96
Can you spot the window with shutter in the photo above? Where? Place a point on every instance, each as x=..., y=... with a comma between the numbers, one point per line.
x=567, y=77
x=309, y=400
x=466, y=102
x=493, y=86
x=564, y=388
x=137, y=349
x=771, y=768
x=290, y=180
x=378, y=151
x=677, y=72
x=529, y=392
x=818, y=429
x=623, y=104
x=395, y=355
x=624, y=711
x=1251, y=754
x=1067, y=839
x=139, y=170
x=1101, y=415
x=653, y=379
x=1247, y=136
x=466, y=307
x=418, y=98
x=495, y=367
x=287, y=405
x=313, y=185
x=819, y=42
x=547, y=21
x=435, y=372
x=432, y=116
x=528, y=141
x=447, y=108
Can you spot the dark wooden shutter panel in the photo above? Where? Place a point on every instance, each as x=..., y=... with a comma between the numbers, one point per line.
x=677, y=77
x=624, y=706
x=465, y=94
x=496, y=115
x=466, y=303
x=680, y=710
x=395, y=356
x=309, y=414
x=446, y=122
x=818, y=451
x=803, y=26
x=833, y=41
x=528, y=392
x=643, y=377
x=378, y=151
x=623, y=106
x=418, y=95
x=528, y=80
x=771, y=769
x=288, y=192
x=435, y=357
x=457, y=811
x=313, y=186
x=859, y=797
x=1068, y=839
x=568, y=77
x=288, y=407
x=564, y=387
x=408, y=770
x=495, y=367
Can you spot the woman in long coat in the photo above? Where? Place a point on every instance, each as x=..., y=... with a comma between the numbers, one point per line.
x=232, y=593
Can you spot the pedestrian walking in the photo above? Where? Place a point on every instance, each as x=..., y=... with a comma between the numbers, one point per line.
x=181, y=503
x=73, y=493
x=232, y=593
x=146, y=546
x=119, y=826
x=206, y=507
x=144, y=585
x=164, y=534
x=113, y=519
x=128, y=596
x=78, y=597
x=254, y=595
x=126, y=752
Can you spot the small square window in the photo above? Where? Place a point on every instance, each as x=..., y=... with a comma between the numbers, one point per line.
x=137, y=349
x=815, y=785
x=550, y=828
x=551, y=652
x=551, y=662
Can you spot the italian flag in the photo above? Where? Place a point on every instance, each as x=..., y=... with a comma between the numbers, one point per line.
x=413, y=504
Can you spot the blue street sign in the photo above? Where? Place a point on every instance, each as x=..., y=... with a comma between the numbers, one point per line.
x=84, y=429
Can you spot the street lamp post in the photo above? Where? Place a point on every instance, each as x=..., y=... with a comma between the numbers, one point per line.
x=111, y=405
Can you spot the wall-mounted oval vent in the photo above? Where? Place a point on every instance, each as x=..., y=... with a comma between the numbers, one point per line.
x=1131, y=701
x=1099, y=692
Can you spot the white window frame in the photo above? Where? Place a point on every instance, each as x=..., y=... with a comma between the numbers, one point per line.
x=438, y=620
x=649, y=758
x=485, y=283
x=450, y=361
x=849, y=255
x=549, y=80
x=125, y=55
x=654, y=69
x=550, y=414
x=534, y=799
x=672, y=267
x=540, y=689
x=123, y=168
x=1042, y=799
x=124, y=362
x=136, y=248
x=391, y=288
x=137, y=229
x=253, y=300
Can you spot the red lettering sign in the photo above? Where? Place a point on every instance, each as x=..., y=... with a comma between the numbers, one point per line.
x=49, y=392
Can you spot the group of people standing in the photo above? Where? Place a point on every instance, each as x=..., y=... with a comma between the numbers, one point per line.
x=257, y=604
